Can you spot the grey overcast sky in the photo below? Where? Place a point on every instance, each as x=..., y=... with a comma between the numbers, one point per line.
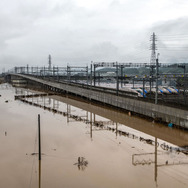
x=80, y=31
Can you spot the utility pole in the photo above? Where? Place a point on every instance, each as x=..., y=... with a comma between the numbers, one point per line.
x=184, y=80
x=157, y=73
x=39, y=137
x=91, y=74
x=27, y=69
x=117, y=78
x=39, y=142
x=143, y=90
x=121, y=76
x=91, y=123
x=94, y=78
x=68, y=74
x=155, y=160
x=87, y=76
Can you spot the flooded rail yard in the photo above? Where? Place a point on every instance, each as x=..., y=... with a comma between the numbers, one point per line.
x=85, y=145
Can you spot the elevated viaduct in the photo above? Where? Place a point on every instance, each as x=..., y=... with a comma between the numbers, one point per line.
x=122, y=100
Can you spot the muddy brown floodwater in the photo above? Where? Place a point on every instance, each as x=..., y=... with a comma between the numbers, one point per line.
x=85, y=146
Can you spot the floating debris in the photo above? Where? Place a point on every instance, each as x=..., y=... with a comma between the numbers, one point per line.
x=82, y=163
x=35, y=154
x=170, y=125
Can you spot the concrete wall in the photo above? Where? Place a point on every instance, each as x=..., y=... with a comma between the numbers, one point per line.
x=167, y=114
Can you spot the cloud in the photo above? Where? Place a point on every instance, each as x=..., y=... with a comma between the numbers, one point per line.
x=79, y=31
x=172, y=40
x=176, y=26
x=105, y=51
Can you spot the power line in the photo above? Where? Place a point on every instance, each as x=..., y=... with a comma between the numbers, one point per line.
x=177, y=35
x=172, y=39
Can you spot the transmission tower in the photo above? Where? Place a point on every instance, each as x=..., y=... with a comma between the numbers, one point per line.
x=153, y=49
x=49, y=63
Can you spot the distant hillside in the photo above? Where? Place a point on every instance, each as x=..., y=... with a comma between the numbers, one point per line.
x=146, y=71
x=106, y=69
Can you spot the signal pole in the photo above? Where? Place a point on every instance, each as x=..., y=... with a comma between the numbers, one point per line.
x=39, y=141
x=39, y=148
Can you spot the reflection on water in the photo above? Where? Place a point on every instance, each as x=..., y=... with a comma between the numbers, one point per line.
x=53, y=105
x=122, y=151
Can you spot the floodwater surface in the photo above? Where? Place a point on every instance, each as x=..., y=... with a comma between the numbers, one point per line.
x=85, y=146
